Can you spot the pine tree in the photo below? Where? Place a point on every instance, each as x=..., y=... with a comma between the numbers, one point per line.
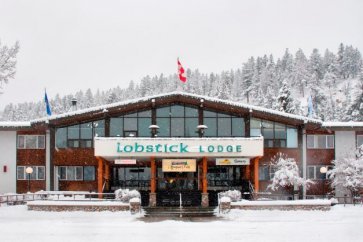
x=8, y=62
x=285, y=100
x=356, y=109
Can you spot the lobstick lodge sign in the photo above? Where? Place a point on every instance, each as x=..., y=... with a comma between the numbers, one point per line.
x=178, y=147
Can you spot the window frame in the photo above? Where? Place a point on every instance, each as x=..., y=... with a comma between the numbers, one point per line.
x=81, y=141
x=317, y=171
x=358, y=136
x=35, y=171
x=27, y=136
x=316, y=141
x=76, y=178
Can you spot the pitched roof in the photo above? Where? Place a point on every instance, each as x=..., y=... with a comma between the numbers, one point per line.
x=107, y=107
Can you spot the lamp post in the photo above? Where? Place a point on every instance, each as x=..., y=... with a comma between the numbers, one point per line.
x=323, y=170
x=29, y=171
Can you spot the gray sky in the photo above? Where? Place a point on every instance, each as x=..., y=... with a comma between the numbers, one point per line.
x=72, y=45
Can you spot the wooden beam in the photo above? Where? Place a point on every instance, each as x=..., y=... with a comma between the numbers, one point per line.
x=256, y=164
x=205, y=169
x=99, y=176
x=153, y=175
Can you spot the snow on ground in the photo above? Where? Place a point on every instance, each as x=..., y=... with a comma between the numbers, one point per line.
x=339, y=224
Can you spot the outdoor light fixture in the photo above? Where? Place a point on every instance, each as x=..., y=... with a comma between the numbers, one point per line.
x=201, y=102
x=154, y=129
x=29, y=171
x=201, y=129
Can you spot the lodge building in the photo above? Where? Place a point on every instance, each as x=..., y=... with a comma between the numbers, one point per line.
x=169, y=144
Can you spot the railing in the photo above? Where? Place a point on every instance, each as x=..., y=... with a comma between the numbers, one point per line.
x=16, y=199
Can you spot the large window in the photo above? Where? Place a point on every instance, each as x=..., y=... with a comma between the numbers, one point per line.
x=131, y=176
x=37, y=174
x=76, y=173
x=79, y=135
x=31, y=141
x=224, y=176
x=131, y=125
x=223, y=125
x=177, y=121
x=274, y=134
x=320, y=141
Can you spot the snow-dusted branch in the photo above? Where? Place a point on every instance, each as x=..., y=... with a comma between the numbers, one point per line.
x=8, y=62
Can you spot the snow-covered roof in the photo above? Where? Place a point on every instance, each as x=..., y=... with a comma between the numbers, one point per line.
x=13, y=124
x=343, y=124
x=104, y=108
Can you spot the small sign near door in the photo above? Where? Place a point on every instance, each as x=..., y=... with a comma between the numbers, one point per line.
x=125, y=162
x=179, y=165
x=232, y=161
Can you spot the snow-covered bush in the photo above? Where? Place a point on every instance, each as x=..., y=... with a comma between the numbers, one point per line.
x=226, y=200
x=348, y=173
x=125, y=195
x=234, y=195
x=286, y=173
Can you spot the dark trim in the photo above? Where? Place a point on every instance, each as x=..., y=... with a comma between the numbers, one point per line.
x=52, y=150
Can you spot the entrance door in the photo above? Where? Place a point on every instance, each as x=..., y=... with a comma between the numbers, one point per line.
x=174, y=187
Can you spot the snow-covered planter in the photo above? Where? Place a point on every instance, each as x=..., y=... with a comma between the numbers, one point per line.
x=125, y=195
x=234, y=195
x=135, y=205
x=225, y=204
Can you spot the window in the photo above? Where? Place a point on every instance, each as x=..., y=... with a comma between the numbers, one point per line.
x=79, y=135
x=265, y=172
x=37, y=174
x=359, y=140
x=89, y=173
x=274, y=134
x=320, y=141
x=132, y=124
x=31, y=141
x=177, y=121
x=76, y=173
x=223, y=125
x=315, y=174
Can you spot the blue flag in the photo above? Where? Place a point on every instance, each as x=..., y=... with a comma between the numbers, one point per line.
x=49, y=112
x=310, y=107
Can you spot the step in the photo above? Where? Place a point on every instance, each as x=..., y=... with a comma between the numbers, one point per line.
x=179, y=212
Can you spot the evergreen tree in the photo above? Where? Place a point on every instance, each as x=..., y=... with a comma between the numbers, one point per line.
x=285, y=100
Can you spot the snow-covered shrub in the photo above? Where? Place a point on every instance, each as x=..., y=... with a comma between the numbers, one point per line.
x=348, y=173
x=234, y=195
x=286, y=173
x=124, y=195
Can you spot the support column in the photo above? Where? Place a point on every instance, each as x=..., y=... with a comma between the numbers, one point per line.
x=99, y=176
x=152, y=200
x=107, y=176
x=256, y=165
x=205, y=200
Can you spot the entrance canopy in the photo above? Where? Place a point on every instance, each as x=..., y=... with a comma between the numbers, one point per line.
x=115, y=148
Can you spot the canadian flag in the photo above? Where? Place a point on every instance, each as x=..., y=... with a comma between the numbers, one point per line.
x=181, y=72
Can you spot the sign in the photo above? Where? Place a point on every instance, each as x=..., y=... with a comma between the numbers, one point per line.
x=232, y=161
x=117, y=147
x=125, y=162
x=179, y=165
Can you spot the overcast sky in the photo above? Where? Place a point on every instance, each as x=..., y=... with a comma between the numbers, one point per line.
x=72, y=45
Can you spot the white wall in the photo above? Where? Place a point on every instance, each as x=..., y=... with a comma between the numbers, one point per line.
x=8, y=158
x=345, y=145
